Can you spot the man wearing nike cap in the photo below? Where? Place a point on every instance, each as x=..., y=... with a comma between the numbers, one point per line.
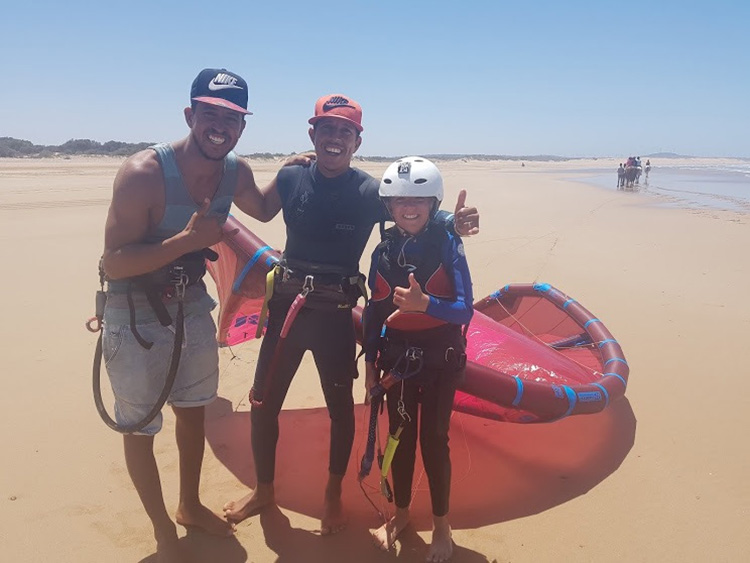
x=170, y=201
x=329, y=209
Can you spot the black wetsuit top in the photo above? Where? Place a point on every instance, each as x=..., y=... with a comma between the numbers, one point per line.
x=328, y=220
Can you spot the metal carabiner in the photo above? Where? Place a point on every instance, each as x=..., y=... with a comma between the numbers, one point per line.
x=308, y=286
x=402, y=411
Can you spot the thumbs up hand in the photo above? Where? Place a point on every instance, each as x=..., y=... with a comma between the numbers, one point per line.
x=411, y=298
x=202, y=229
x=466, y=218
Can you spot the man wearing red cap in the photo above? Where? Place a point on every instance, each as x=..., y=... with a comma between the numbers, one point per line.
x=170, y=202
x=329, y=209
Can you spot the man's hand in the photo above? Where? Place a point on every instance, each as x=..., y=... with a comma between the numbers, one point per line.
x=203, y=231
x=302, y=159
x=466, y=218
x=410, y=298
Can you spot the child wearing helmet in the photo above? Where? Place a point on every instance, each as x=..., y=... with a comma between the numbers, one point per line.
x=421, y=300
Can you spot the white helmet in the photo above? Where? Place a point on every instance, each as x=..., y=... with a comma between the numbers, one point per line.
x=412, y=176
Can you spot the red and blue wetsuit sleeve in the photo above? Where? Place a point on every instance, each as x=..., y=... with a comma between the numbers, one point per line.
x=460, y=310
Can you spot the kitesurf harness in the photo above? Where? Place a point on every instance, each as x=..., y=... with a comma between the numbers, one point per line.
x=317, y=286
x=163, y=284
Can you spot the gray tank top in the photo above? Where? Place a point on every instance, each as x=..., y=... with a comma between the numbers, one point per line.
x=179, y=207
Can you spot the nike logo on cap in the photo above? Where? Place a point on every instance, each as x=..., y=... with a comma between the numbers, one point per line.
x=222, y=82
x=336, y=102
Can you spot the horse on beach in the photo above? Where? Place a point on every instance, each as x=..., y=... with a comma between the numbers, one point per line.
x=632, y=173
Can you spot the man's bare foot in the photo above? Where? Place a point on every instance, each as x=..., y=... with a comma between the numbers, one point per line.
x=198, y=516
x=334, y=518
x=385, y=536
x=441, y=548
x=251, y=504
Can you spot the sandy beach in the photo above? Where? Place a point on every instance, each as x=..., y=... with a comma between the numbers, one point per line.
x=661, y=475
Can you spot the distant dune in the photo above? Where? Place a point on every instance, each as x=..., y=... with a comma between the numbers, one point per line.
x=20, y=148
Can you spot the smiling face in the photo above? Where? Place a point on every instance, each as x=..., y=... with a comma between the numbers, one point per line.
x=336, y=141
x=411, y=214
x=214, y=130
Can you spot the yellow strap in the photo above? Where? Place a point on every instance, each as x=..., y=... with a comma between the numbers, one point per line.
x=390, y=450
x=270, y=278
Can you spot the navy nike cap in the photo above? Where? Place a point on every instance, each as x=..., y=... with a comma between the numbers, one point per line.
x=220, y=87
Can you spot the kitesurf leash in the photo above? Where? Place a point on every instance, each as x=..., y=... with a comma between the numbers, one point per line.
x=299, y=302
x=408, y=365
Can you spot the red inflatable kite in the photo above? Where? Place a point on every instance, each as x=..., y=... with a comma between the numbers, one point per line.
x=533, y=353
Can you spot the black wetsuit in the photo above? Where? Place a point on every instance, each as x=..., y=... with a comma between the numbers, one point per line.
x=437, y=260
x=328, y=223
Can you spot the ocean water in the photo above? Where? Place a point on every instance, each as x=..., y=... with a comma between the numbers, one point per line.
x=711, y=186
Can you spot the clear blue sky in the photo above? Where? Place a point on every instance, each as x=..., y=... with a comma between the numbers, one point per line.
x=535, y=77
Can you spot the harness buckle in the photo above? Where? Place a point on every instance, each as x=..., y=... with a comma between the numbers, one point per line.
x=308, y=286
x=180, y=280
x=413, y=354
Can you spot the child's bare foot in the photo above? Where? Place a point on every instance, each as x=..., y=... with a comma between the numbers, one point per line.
x=441, y=548
x=251, y=504
x=385, y=536
x=334, y=518
x=198, y=516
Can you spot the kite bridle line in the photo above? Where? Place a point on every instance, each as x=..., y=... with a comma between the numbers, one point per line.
x=535, y=337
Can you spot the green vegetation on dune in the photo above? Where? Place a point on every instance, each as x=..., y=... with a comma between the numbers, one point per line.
x=18, y=148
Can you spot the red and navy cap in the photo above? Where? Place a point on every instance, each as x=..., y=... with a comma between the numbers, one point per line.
x=220, y=87
x=340, y=107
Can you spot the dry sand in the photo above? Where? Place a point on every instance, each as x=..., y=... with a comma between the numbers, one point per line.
x=661, y=475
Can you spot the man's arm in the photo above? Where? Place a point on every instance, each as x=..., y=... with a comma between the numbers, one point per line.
x=135, y=194
x=261, y=204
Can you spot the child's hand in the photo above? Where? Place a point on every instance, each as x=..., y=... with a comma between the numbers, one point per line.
x=411, y=298
x=372, y=375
